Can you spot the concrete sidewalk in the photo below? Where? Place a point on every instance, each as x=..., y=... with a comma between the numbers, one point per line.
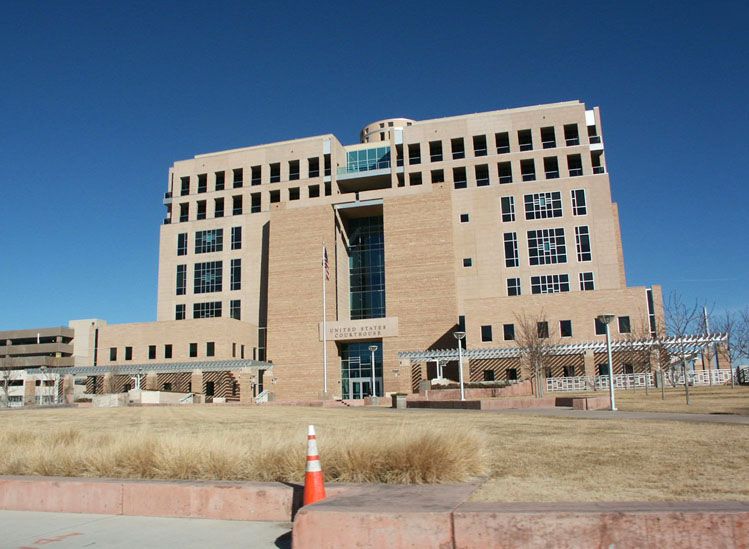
x=607, y=414
x=27, y=529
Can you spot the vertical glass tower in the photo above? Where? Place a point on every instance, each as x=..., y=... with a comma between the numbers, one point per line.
x=367, y=268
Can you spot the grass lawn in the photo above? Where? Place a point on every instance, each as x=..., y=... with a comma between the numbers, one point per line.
x=514, y=457
x=703, y=400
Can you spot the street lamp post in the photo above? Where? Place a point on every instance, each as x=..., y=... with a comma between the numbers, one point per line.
x=372, y=349
x=606, y=320
x=459, y=336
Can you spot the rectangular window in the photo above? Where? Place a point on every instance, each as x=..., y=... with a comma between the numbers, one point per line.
x=547, y=247
x=511, y=250
x=203, y=183
x=256, y=175
x=313, y=191
x=220, y=181
x=414, y=153
x=193, y=350
x=571, y=135
x=275, y=172
x=482, y=175
x=543, y=205
x=326, y=164
x=414, y=178
x=512, y=374
x=236, y=238
x=464, y=218
x=458, y=148
x=209, y=241
x=508, y=332
x=208, y=277
x=525, y=140
x=168, y=350
x=505, y=172
x=236, y=274
x=528, y=169
x=238, y=178
x=181, y=279
x=550, y=284
x=438, y=176
x=236, y=205
x=624, y=325
x=151, y=352
x=201, y=209
x=508, y=209
x=486, y=333
x=548, y=138
x=275, y=196
x=551, y=167
x=488, y=375
x=582, y=240
x=210, y=348
x=565, y=328
x=579, y=206
x=600, y=327
x=294, y=193
x=467, y=262
x=184, y=212
x=182, y=244
x=513, y=286
x=179, y=312
x=459, y=178
x=293, y=170
x=206, y=310
x=479, y=145
x=235, y=309
x=435, y=151
x=399, y=155
x=128, y=353
x=113, y=353
x=313, y=167
x=185, y=188
x=542, y=329
x=255, y=203
x=503, y=142
x=575, y=165
x=586, y=282
x=218, y=207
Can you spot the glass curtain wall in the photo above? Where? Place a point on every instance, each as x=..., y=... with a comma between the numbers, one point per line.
x=367, y=268
x=356, y=369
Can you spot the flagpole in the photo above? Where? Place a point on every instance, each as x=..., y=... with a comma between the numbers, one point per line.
x=324, y=327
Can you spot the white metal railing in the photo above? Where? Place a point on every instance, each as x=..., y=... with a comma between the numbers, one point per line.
x=189, y=398
x=633, y=381
x=262, y=397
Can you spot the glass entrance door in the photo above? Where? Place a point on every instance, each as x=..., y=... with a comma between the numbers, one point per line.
x=360, y=388
x=356, y=370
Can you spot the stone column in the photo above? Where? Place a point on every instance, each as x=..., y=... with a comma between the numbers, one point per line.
x=106, y=384
x=68, y=389
x=29, y=391
x=152, y=381
x=589, y=359
x=246, y=378
x=196, y=385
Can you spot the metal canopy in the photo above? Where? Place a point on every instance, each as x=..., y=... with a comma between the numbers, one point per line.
x=686, y=343
x=163, y=368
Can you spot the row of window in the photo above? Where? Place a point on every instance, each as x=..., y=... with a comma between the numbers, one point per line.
x=546, y=138
x=551, y=284
x=565, y=329
x=504, y=172
x=271, y=173
x=210, y=350
x=539, y=206
x=210, y=241
x=209, y=309
x=208, y=277
x=220, y=204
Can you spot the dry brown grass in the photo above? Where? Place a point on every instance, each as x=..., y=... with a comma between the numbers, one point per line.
x=703, y=400
x=522, y=458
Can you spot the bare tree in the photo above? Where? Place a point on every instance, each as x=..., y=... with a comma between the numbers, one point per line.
x=6, y=371
x=681, y=319
x=639, y=350
x=535, y=338
x=736, y=327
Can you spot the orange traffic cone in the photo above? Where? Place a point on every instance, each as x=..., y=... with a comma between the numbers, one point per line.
x=314, y=484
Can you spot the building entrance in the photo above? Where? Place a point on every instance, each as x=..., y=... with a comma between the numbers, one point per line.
x=356, y=370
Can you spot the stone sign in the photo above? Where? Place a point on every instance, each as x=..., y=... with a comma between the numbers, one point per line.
x=361, y=329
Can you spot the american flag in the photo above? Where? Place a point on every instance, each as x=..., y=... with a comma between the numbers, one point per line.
x=325, y=262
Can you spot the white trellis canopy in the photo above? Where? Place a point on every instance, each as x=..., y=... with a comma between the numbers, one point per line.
x=687, y=344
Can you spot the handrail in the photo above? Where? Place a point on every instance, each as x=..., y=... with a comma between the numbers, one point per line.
x=262, y=397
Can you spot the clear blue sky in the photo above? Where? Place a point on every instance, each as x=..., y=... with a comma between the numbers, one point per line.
x=97, y=100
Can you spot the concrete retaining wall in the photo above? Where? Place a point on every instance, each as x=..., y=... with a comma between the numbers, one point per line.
x=523, y=388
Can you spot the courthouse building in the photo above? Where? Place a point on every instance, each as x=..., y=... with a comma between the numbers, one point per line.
x=466, y=223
